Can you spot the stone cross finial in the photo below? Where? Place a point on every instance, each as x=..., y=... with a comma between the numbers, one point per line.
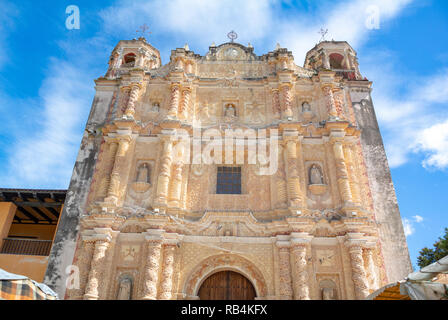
x=232, y=35
x=323, y=32
x=143, y=30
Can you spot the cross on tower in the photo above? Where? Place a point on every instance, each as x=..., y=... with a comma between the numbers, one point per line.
x=232, y=35
x=323, y=33
x=143, y=30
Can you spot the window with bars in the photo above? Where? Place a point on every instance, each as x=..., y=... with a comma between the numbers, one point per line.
x=228, y=180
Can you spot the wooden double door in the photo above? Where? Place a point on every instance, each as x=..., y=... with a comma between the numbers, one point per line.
x=227, y=285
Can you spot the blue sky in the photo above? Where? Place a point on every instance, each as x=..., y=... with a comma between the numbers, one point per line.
x=47, y=72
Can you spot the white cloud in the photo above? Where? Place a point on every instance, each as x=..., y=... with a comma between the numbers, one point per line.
x=434, y=141
x=45, y=158
x=418, y=218
x=408, y=227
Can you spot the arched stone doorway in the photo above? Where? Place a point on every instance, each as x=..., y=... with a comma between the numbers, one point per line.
x=226, y=285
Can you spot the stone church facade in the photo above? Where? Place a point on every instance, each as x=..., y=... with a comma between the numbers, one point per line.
x=229, y=164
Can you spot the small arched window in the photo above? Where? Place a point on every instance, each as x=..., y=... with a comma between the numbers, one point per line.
x=129, y=60
x=336, y=61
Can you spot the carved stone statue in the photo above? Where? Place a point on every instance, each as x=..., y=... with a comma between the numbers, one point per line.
x=327, y=294
x=155, y=107
x=143, y=173
x=306, y=107
x=316, y=175
x=124, y=290
x=230, y=111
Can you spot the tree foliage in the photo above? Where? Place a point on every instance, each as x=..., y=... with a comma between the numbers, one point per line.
x=431, y=255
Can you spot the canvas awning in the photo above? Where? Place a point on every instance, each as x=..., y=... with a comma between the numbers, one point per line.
x=18, y=287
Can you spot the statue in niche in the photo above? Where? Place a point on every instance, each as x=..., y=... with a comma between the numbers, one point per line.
x=155, y=107
x=125, y=289
x=230, y=111
x=327, y=294
x=306, y=107
x=143, y=173
x=316, y=176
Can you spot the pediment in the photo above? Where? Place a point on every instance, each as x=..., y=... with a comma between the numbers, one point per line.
x=231, y=52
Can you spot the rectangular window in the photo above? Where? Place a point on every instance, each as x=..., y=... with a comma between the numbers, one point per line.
x=228, y=180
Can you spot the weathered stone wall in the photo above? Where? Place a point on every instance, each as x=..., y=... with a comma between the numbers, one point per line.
x=63, y=249
x=393, y=241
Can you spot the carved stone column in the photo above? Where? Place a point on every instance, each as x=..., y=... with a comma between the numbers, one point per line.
x=166, y=286
x=276, y=109
x=341, y=172
x=301, y=288
x=83, y=262
x=151, y=273
x=133, y=96
x=293, y=181
x=96, y=273
x=282, y=194
x=284, y=262
x=353, y=180
x=287, y=100
x=108, y=166
x=114, y=185
x=184, y=106
x=370, y=267
x=331, y=104
x=175, y=96
x=358, y=273
x=165, y=171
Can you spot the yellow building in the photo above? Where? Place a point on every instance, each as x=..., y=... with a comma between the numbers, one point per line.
x=229, y=176
x=28, y=221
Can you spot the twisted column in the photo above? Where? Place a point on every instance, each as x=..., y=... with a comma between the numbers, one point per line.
x=183, y=108
x=165, y=171
x=96, y=273
x=151, y=273
x=331, y=105
x=287, y=100
x=341, y=172
x=301, y=281
x=293, y=181
x=358, y=272
x=276, y=109
x=166, y=285
x=175, y=96
x=285, y=285
x=83, y=263
x=373, y=278
x=108, y=166
x=133, y=96
x=353, y=180
x=114, y=185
